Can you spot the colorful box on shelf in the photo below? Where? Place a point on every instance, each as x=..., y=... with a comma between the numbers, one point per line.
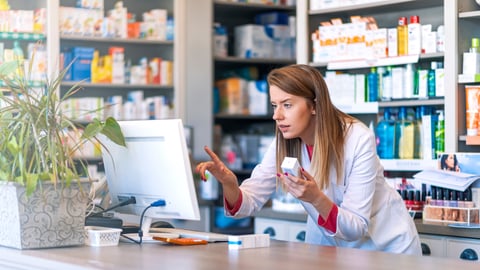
x=450, y=214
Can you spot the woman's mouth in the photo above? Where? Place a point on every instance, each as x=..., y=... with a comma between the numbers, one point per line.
x=283, y=128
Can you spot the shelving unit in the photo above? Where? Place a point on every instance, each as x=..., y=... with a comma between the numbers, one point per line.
x=465, y=17
x=135, y=49
x=230, y=15
x=386, y=14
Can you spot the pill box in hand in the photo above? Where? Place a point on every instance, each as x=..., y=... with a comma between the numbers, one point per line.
x=291, y=166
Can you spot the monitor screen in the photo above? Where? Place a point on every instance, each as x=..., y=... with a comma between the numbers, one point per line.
x=155, y=165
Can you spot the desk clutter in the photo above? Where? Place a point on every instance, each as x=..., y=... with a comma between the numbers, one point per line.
x=99, y=236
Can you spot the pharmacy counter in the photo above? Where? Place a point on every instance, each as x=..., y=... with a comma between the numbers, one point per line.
x=423, y=227
x=280, y=255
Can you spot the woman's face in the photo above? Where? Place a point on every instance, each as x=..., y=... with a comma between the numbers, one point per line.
x=450, y=161
x=293, y=114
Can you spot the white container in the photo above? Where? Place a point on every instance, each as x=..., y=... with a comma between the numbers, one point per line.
x=101, y=236
x=252, y=41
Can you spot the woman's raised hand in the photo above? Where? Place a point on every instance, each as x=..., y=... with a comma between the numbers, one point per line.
x=217, y=168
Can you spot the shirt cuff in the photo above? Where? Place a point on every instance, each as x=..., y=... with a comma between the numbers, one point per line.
x=233, y=210
x=331, y=222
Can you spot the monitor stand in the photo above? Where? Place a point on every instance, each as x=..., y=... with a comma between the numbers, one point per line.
x=147, y=235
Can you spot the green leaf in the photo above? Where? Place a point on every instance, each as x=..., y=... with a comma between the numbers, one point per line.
x=13, y=146
x=8, y=68
x=112, y=130
x=92, y=129
x=32, y=180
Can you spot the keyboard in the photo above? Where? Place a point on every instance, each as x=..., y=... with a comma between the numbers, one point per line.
x=209, y=236
x=148, y=237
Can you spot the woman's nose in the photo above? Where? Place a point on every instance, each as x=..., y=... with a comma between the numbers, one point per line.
x=276, y=114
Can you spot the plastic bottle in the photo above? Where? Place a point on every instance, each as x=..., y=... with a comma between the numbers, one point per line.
x=372, y=84
x=414, y=35
x=17, y=51
x=409, y=81
x=440, y=134
x=402, y=36
x=387, y=82
x=431, y=89
x=418, y=153
x=231, y=153
x=385, y=131
x=404, y=135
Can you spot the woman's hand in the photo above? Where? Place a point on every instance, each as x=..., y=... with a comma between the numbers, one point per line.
x=303, y=187
x=224, y=175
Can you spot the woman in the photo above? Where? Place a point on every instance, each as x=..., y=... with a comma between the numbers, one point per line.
x=449, y=162
x=341, y=183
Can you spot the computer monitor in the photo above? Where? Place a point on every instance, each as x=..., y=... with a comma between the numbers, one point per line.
x=154, y=166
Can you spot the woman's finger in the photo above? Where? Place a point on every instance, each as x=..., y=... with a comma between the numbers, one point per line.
x=212, y=155
x=306, y=175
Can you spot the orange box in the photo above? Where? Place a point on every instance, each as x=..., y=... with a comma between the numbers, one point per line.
x=233, y=95
x=133, y=30
x=472, y=106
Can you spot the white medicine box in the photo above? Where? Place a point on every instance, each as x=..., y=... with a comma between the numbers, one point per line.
x=253, y=41
x=263, y=41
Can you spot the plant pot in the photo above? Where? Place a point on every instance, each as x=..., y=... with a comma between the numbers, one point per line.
x=50, y=217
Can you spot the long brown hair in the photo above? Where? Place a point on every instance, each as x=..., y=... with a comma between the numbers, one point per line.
x=331, y=123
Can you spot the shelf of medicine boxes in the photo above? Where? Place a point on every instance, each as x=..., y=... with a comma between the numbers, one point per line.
x=380, y=6
x=117, y=41
x=469, y=78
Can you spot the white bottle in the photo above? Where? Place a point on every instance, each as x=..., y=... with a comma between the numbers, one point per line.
x=414, y=35
x=409, y=79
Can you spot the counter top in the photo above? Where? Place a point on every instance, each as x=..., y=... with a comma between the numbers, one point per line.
x=280, y=255
x=423, y=227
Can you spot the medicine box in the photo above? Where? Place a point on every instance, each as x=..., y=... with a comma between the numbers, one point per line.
x=274, y=17
x=252, y=41
x=471, y=63
x=291, y=166
x=258, y=96
x=82, y=57
x=233, y=94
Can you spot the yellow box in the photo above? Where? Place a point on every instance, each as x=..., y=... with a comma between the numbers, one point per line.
x=233, y=95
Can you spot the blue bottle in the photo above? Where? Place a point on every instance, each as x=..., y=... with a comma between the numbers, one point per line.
x=385, y=132
x=372, y=85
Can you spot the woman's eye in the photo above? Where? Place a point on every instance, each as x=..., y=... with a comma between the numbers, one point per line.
x=287, y=105
x=274, y=106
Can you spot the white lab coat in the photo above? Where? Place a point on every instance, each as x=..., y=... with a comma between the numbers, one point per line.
x=371, y=214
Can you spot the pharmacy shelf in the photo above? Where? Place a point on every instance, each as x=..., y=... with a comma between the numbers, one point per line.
x=359, y=108
x=412, y=102
x=22, y=36
x=241, y=60
x=398, y=5
x=407, y=164
x=469, y=15
x=378, y=62
x=115, y=40
x=115, y=86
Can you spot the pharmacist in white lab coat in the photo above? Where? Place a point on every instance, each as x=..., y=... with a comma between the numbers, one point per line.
x=340, y=184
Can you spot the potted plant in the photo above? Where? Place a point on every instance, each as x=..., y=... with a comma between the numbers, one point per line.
x=43, y=191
